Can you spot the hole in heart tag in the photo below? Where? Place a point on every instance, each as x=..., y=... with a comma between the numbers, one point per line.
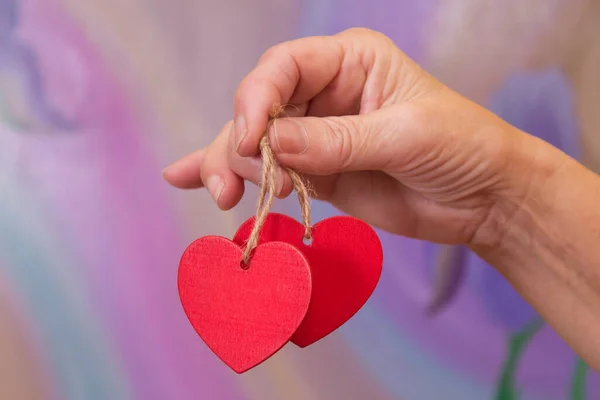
x=246, y=302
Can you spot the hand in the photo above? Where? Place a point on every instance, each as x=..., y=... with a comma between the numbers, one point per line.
x=384, y=141
x=376, y=135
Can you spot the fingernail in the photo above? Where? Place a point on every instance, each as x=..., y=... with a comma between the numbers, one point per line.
x=288, y=137
x=215, y=185
x=279, y=182
x=168, y=171
x=241, y=129
x=171, y=167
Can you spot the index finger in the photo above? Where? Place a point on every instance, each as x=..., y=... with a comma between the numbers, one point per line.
x=289, y=73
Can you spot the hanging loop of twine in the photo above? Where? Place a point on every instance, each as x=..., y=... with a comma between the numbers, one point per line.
x=268, y=188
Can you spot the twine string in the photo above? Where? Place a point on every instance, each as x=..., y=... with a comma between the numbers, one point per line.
x=268, y=188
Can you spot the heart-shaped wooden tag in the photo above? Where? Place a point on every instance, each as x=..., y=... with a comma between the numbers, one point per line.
x=345, y=259
x=244, y=314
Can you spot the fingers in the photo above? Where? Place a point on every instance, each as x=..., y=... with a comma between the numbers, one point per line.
x=222, y=171
x=322, y=146
x=319, y=76
x=339, y=75
x=224, y=185
x=291, y=72
x=209, y=168
x=185, y=173
x=250, y=169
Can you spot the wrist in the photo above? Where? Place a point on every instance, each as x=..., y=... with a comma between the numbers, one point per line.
x=524, y=197
x=542, y=235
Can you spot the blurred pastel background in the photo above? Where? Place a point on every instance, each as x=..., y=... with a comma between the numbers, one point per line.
x=97, y=96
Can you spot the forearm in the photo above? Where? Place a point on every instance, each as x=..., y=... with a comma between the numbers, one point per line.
x=549, y=248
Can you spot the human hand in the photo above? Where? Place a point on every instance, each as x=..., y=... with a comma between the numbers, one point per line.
x=376, y=135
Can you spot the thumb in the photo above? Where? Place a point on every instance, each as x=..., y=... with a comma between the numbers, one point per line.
x=323, y=146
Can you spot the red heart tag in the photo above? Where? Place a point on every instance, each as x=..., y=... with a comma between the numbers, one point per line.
x=244, y=315
x=345, y=259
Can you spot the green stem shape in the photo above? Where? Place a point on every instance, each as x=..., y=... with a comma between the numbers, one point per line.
x=579, y=379
x=517, y=343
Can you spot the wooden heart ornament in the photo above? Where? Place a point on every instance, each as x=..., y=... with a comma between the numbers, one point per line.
x=244, y=314
x=345, y=259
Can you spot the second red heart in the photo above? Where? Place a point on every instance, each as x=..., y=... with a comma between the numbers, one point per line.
x=345, y=258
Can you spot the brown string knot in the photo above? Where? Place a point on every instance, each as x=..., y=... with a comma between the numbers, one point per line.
x=267, y=189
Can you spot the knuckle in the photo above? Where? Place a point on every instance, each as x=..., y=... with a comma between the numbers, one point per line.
x=274, y=51
x=250, y=87
x=226, y=135
x=239, y=93
x=367, y=33
x=289, y=74
x=276, y=72
x=359, y=31
x=271, y=51
x=342, y=140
